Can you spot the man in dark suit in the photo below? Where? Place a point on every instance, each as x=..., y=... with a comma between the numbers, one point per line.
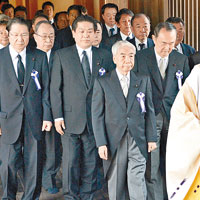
x=123, y=20
x=44, y=37
x=48, y=9
x=180, y=28
x=124, y=125
x=167, y=69
x=108, y=12
x=140, y=25
x=24, y=112
x=64, y=36
x=73, y=73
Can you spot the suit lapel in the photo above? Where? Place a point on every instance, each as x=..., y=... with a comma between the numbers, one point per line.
x=96, y=63
x=171, y=70
x=133, y=89
x=10, y=68
x=30, y=60
x=153, y=69
x=116, y=89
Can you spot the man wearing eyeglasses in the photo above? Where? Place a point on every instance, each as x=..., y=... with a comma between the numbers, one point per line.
x=44, y=37
x=24, y=112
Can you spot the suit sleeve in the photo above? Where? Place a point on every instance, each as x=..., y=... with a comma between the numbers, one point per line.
x=56, y=87
x=98, y=114
x=150, y=119
x=45, y=91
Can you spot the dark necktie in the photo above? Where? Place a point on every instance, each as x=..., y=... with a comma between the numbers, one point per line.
x=112, y=31
x=20, y=70
x=141, y=46
x=86, y=68
x=128, y=38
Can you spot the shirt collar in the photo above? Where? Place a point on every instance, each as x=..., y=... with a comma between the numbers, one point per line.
x=80, y=50
x=159, y=57
x=137, y=42
x=14, y=54
x=120, y=76
x=125, y=36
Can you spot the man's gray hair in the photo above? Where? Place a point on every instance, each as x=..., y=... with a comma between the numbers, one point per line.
x=119, y=44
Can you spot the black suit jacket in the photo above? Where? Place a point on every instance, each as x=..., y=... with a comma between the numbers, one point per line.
x=150, y=43
x=112, y=115
x=70, y=96
x=31, y=102
x=187, y=49
x=107, y=44
x=64, y=38
x=194, y=59
x=164, y=92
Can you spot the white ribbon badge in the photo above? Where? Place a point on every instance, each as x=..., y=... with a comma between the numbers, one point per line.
x=141, y=99
x=179, y=76
x=35, y=76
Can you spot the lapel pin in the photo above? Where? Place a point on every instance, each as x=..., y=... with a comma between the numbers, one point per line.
x=33, y=59
x=174, y=65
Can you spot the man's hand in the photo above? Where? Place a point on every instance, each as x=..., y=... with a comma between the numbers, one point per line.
x=46, y=125
x=60, y=125
x=0, y=131
x=103, y=152
x=151, y=146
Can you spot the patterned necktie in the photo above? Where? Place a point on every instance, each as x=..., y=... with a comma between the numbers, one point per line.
x=86, y=68
x=162, y=67
x=124, y=85
x=141, y=46
x=20, y=70
x=112, y=31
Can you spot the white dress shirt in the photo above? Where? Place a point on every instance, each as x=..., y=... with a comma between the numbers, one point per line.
x=179, y=48
x=158, y=58
x=108, y=29
x=137, y=42
x=48, y=55
x=14, y=58
x=125, y=36
x=120, y=77
x=89, y=55
x=1, y=46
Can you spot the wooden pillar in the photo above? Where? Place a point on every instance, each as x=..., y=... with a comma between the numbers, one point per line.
x=32, y=7
x=89, y=4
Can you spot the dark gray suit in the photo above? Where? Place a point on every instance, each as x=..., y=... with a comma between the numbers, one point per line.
x=164, y=93
x=113, y=116
x=52, y=150
x=21, y=117
x=71, y=99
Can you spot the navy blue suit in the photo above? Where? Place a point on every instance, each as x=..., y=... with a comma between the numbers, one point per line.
x=187, y=49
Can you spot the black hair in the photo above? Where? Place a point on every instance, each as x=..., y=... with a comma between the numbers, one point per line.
x=47, y=3
x=17, y=20
x=166, y=25
x=74, y=7
x=84, y=18
x=57, y=15
x=108, y=5
x=20, y=8
x=122, y=12
x=138, y=15
x=6, y=6
x=175, y=20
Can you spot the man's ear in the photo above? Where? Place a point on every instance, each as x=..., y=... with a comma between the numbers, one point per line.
x=114, y=59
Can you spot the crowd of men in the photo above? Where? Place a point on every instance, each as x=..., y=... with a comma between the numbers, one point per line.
x=76, y=90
